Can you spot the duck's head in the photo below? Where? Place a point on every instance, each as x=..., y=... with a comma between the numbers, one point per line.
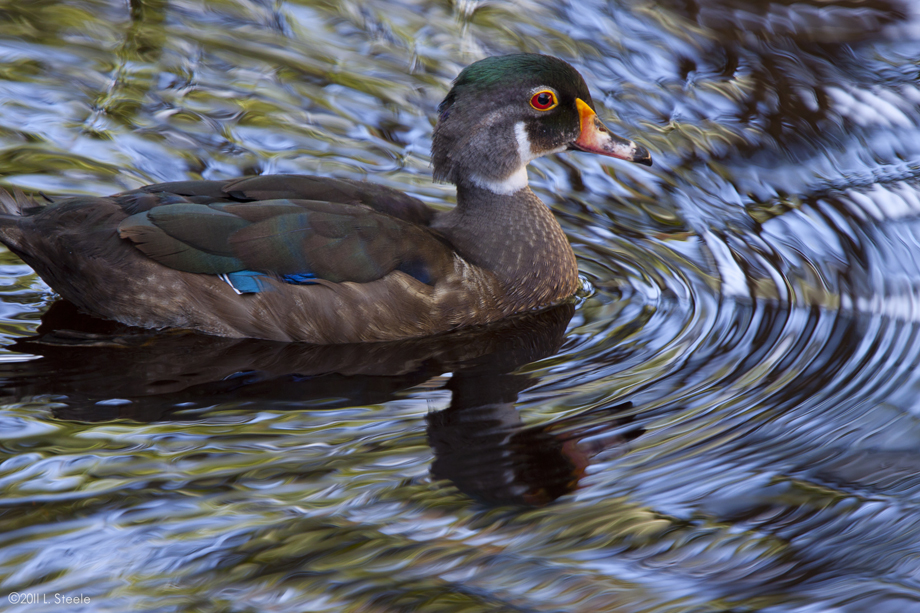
x=505, y=111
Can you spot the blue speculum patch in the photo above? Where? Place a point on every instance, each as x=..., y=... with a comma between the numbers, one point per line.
x=252, y=282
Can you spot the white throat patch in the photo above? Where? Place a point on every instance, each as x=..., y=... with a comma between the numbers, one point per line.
x=514, y=182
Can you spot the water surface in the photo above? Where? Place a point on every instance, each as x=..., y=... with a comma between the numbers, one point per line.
x=726, y=420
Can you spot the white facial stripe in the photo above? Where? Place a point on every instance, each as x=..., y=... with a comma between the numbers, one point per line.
x=517, y=180
x=525, y=153
x=525, y=149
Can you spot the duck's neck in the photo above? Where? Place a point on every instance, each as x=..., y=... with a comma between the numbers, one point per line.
x=515, y=237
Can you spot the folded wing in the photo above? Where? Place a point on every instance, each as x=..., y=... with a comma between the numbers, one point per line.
x=293, y=240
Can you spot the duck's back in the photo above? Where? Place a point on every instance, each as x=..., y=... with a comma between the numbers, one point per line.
x=279, y=257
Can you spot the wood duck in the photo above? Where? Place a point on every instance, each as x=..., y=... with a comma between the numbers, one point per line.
x=321, y=260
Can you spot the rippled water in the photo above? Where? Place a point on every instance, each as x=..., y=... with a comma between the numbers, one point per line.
x=728, y=421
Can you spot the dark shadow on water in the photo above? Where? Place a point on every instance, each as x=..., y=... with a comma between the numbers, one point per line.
x=100, y=371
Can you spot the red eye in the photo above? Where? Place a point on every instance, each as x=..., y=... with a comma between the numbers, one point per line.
x=543, y=100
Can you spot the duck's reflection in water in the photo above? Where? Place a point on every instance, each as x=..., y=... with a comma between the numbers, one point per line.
x=482, y=445
x=100, y=371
